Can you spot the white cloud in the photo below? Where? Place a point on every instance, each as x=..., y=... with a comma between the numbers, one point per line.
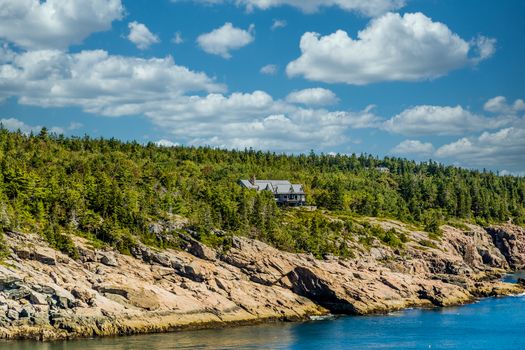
x=269, y=69
x=222, y=40
x=441, y=120
x=177, y=38
x=278, y=23
x=96, y=81
x=314, y=97
x=413, y=147
x=503, y=149
x=166, y=143
x=365, y=7
x=256, y=120
x=35, y=24
x=140, y=35
x=158, y=89
x=14, y=124
x=392, y=48
x=483, y=48
x=75, y=126
x=499, y=105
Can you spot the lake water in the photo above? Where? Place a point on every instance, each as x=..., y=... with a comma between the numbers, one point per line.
x=496, y=323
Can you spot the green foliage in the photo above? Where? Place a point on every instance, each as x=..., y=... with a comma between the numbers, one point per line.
x=60, y=241
x=4, y=250
x=391, y=237
x=428, y=243
x=432, y=220
x=110, y=191
x=458, y=225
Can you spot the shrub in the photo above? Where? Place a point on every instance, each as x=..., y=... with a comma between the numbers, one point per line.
x=60, y=241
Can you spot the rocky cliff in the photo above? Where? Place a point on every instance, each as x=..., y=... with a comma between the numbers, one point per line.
x=47, y=295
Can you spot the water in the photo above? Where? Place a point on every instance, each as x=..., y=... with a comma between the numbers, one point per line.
x=497, y=323
x=513, y=277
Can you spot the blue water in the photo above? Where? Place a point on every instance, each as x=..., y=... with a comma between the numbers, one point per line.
x=496, y=323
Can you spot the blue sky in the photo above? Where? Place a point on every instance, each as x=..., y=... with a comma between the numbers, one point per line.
x=440, y=79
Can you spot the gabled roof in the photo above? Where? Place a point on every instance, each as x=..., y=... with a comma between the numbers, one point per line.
x=275, y=186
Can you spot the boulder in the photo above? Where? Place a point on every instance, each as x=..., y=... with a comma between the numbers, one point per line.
x=12, y=314
x=161, y=259
x=36, y=298
x=9, y=282
x=86, y=255
x=200, y=250
x=44, y=258
x=22, y=253
x=62, y=298
x=192, y=271
x=148, y=255
x=83, y=295
x=155, y=228
x=43, y=289
x=108, y=259
x=18, y=294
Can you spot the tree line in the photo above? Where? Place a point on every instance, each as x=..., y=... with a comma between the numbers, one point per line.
x=112, y=191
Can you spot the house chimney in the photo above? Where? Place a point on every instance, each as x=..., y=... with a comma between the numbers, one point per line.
x=252, y=180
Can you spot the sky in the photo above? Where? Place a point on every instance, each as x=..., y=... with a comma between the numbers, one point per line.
x=421, y=79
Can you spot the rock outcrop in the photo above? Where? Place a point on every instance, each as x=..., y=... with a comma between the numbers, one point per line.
x=510, y=240
x=44, y=294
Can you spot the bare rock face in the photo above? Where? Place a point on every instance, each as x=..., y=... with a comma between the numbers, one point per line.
x=108, y=259
x=46, y=295
x=312, y=285
x=199, y=250
x=510, y=240
x=476, y=247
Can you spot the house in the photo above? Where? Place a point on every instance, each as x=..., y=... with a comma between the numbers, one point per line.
x=285, y=193
x=383, y=169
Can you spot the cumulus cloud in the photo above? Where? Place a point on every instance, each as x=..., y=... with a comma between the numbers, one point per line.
x=413, y=147
x=391, y=48
x=504, y=149
x=177, y=38
x=96, y=81
x=314, y=97
x=14, y=124
x=365, y=7
x=222, y=40
x=257, y=120
x=189, y=106
x=166, y=143
x=499, y=104
x=35, y=24
x=483, y=48
x=140, y=35
x=441, y=120
x=269, y=69
x=278, y=23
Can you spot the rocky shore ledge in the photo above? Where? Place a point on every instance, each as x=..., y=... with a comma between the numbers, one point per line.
x=46, y=295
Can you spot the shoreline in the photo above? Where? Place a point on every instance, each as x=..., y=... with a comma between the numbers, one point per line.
x=31, y=334
x=48, y=296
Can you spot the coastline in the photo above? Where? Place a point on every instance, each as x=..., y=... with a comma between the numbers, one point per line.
x=106, y=294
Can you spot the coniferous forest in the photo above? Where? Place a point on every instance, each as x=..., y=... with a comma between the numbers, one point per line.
x=111, y=192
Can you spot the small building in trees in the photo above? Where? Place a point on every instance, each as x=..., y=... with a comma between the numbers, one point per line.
x=284, y=192
x=383, y=169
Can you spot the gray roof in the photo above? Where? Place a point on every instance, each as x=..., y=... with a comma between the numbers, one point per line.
x=275, y=186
